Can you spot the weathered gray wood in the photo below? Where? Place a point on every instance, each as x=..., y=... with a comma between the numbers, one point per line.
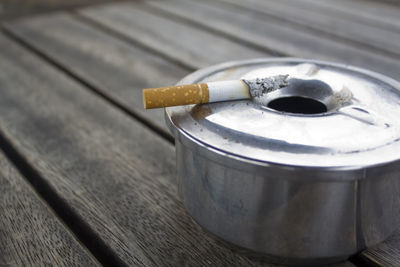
x=121, y=70
x=114, y=67
x=378, y=39
x=386, y=253
x=272, y=34
x=187, y=44
x=115, y=174
x=30, y=234
x=377, y=13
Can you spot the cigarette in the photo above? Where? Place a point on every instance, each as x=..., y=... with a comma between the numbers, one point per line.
x=211, y=92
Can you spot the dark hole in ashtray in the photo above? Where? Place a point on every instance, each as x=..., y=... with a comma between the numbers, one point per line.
x=298, y=104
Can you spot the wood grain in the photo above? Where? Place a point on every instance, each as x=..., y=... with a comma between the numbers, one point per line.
x=116, y=69
x=30, y=234
x=287, y=39
x=371, y=37
x=386, y=253
x=193, y=46
x=122, y=70
x=115, y=174
x=377, y=13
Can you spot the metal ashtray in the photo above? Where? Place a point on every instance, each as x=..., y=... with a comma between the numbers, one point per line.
x=291, y=176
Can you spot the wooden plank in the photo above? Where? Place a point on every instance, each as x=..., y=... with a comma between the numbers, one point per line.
x=378, y=39
x=269, y=33
x=185, y=43
x=386, y=253
x=30, y=234
x=353, y=11
x=115, y=174
x=116, y=69
x=373, y=12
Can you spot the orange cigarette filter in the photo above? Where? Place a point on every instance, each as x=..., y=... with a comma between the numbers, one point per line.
x=176, y=95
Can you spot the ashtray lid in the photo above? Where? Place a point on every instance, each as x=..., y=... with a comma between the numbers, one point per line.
x=298, y=125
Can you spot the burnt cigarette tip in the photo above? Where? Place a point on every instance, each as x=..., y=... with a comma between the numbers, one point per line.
x=261, y=86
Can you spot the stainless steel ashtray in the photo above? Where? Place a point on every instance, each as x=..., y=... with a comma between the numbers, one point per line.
x=292, y=176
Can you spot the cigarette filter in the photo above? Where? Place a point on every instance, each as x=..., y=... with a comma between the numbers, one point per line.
x=211, y=92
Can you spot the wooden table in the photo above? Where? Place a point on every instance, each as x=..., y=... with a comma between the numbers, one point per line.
x=87, y=176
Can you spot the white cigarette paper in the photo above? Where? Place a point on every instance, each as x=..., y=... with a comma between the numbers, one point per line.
x=228, y=90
